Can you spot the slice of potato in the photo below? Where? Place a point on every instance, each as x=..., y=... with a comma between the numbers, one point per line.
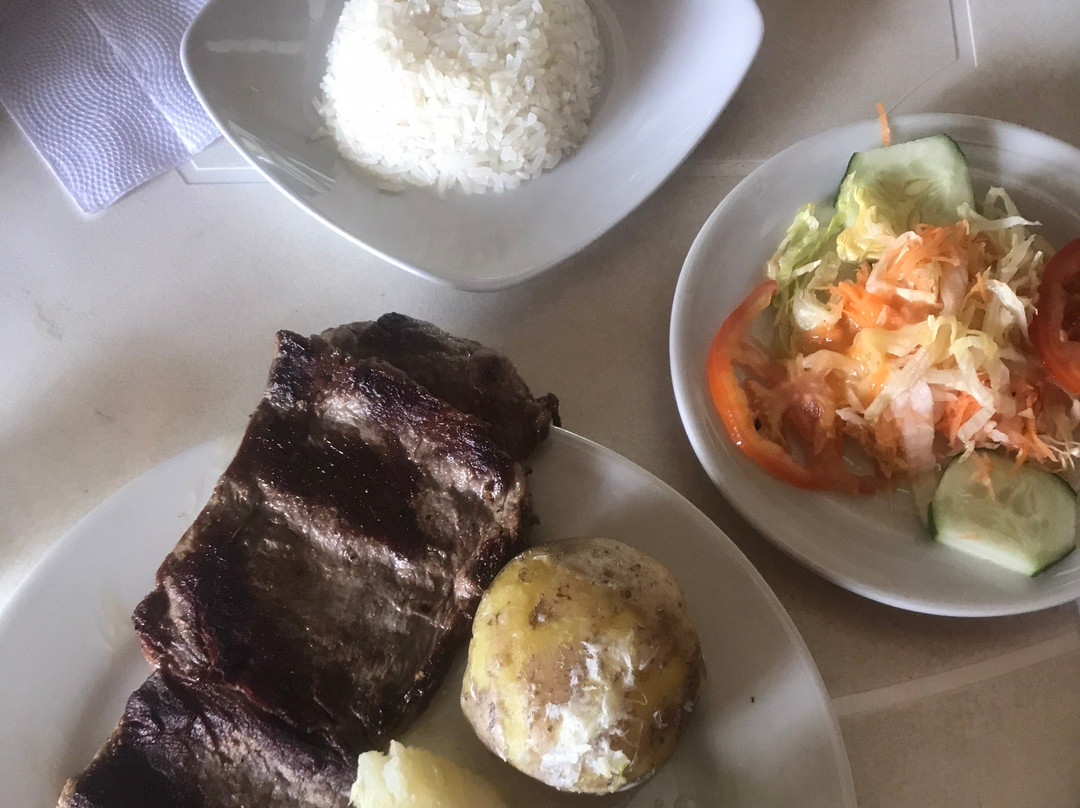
x=583, y=666
x=409, y=777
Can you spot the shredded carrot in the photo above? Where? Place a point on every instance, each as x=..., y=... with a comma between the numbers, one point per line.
x=978, y=288
x=917, y=262
x=1033, y=445
x=984, y=468
x=888, y=443
x=956, y=415
x=863, y=309
x=883, y=119
x=945, y=246
x=1022, y=435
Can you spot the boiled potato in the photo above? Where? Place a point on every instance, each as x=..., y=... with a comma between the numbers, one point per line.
x=583, y=666
x=408, y=777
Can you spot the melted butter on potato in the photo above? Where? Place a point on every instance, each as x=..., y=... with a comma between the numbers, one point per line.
x=583, y=665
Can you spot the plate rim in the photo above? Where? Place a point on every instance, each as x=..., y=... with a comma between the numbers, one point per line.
x=710, y=531
x=517, y=276
x=681, y=385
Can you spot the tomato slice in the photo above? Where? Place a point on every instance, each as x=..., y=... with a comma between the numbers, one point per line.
x=1056, y=324
x=826, y=468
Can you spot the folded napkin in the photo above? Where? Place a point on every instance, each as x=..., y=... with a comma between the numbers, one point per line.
x=98, y=89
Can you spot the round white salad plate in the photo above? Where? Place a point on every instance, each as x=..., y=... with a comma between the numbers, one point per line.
x=763, y=734
x=671, y=66
x=876, y=546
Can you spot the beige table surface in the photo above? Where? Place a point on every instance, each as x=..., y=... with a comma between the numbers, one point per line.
x=131, y=335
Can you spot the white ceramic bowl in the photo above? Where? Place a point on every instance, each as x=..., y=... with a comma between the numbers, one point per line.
x=874, y=546
x=671, y=67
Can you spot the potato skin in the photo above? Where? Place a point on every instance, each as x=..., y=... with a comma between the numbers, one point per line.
x=583, y=666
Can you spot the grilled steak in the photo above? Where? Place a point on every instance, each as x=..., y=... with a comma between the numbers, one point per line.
x=462, y=372
x=314, y=606
x=178, y=746
x=343, y=552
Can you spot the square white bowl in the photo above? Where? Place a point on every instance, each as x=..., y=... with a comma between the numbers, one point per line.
x=671, y=67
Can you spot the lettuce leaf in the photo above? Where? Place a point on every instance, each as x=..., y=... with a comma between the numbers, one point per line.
x=804, y=262
x=808, y=238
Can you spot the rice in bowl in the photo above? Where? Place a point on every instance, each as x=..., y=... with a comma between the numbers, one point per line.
x=476, y=94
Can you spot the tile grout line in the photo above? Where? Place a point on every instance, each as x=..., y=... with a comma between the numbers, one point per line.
x=917, y=689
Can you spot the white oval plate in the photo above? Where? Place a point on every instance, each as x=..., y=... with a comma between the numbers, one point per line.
x=764, y=735
x=671, y=67
x=874, y=546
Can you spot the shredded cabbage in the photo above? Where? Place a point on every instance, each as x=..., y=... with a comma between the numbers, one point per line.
x=937, y=360
x=812, y=306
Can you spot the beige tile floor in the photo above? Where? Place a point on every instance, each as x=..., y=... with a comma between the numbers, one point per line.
x=1008, y=740
x=142, y=331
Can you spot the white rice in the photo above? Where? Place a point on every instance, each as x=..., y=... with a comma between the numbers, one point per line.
x=479, y=94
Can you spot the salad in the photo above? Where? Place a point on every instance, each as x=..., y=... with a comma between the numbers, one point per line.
x=918, y=336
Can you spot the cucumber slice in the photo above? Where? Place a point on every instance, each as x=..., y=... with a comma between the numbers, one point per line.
x=888, y=191
x=927, y=177
x=1023, y=519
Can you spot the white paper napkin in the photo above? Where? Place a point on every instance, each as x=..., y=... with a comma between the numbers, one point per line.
x=98, y=89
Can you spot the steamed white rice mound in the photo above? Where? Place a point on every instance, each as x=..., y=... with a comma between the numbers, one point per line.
x=479, y=94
